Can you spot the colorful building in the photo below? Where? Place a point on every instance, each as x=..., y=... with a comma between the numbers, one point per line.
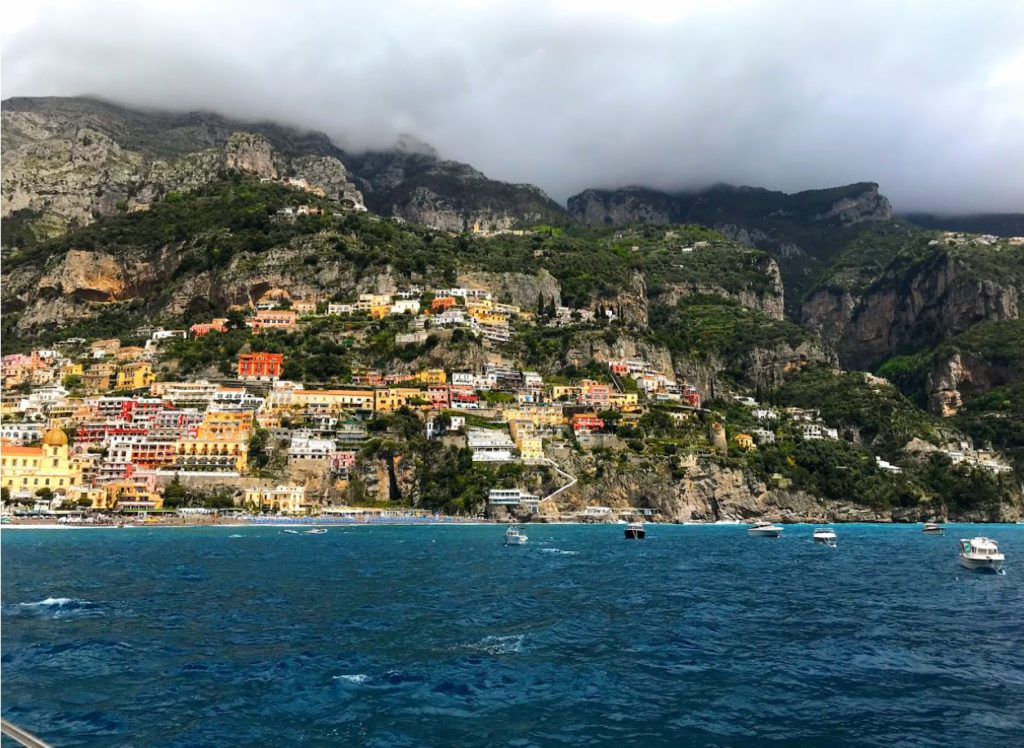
x=29, y=469
x=135, y=376
x=260, y=366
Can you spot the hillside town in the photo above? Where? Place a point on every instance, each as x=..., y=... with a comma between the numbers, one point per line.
x=90, y=426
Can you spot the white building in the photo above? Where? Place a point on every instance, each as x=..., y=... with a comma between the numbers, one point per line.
x=335, y=307
x=305, y=446
x=406, y=306
x=887, y=466
x=813, y=431
x=21, y=433
x=513, y=497
x=490, y=445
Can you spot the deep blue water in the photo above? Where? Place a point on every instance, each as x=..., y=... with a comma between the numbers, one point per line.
x=401, y=636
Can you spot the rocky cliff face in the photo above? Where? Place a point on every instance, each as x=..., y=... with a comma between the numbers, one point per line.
x=754, y=210
x=770, y=300
x=908, y=308
x=67, y=160
x=414, y=184
x=704, y=491
x=521, y=289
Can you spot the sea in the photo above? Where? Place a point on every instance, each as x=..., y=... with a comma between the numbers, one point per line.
x=442, y=636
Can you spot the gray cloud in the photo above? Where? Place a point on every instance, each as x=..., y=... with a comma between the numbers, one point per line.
x=926, y=98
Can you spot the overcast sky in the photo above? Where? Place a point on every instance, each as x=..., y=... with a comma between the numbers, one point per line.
x=926, y=98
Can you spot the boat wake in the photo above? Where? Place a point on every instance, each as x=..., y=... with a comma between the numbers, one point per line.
x=356, y=678
x=53, y=607
x=499, y=645
x=559, y=551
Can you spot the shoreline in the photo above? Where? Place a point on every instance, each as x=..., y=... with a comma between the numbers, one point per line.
x=328, y=524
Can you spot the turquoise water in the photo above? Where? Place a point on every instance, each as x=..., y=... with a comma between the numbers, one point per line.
x=401, y=636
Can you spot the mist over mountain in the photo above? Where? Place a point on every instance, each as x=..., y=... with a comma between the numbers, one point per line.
x=571, y=96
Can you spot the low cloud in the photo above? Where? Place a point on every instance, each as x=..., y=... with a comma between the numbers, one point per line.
x=926, y=98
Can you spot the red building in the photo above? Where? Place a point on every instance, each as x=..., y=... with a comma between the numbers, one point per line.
x=442, y=303
x=586, y=423
x=261, y=366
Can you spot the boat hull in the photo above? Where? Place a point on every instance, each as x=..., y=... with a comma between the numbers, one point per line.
x=520, y=540
x=935, y=531
x=830, y=542
x=764, y=532
x=987, y=565
x=635, y=534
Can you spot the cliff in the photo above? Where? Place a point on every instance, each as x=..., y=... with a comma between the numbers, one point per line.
x=883, y=299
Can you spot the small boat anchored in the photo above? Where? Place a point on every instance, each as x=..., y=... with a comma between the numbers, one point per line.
x=765, y=530
x=981, y=554
x=825, y=536
x=316, y=531
x=635, y=531
x=515, y=536
x=933, y=528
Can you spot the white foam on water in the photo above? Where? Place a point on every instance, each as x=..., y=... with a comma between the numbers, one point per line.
x=356, y=678
x=54, y=602
x=500, y=645
x=234, y=536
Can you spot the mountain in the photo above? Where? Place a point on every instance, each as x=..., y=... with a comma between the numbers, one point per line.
x=68, y=160
x=997, y=224
x=801, y=230
x=896, y=288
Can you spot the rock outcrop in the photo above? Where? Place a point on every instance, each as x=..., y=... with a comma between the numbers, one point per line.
x=931, y=301
x=65, y=161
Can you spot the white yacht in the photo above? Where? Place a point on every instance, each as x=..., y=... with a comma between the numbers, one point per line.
x=981, y=554
x=316, y=531
x=825, y=536
x=635, y=531
x=765, y=530
x=933, y=528
x=515, y=536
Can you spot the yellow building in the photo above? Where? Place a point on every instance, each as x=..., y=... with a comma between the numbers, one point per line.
x=28, y=469
x=71, y=370
x=536, y=416
x=624, y=401
x=380, y=311
x=221, y=443
x=432, y=376
x=488, y=317
x=745, y=441
x=135, y=376
x=531, y=449
x=322, y=401
x=565, y=392
x=282, y=499
x=96, y=496
x=387, y=400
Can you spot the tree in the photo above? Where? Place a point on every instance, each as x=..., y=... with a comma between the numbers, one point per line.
x=236, y=319
x=5, y=495
x=45, y=493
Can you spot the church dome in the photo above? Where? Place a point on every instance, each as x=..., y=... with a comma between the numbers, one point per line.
x=55, y=438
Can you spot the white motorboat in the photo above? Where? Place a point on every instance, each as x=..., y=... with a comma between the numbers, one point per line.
x=933, y=528
x=635, y=531
x=825, y=536
x=316, y=531
x=981, y=554
x=765, y=530
x=515, y=536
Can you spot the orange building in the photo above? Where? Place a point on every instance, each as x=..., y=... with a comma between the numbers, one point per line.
x=260, y=366
x=442, y=303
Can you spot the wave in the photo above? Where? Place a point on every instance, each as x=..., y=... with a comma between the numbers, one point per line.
x=234, y=536
x=355, y=678
x=559, y=551
x=499, y=645
x=55, y=607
